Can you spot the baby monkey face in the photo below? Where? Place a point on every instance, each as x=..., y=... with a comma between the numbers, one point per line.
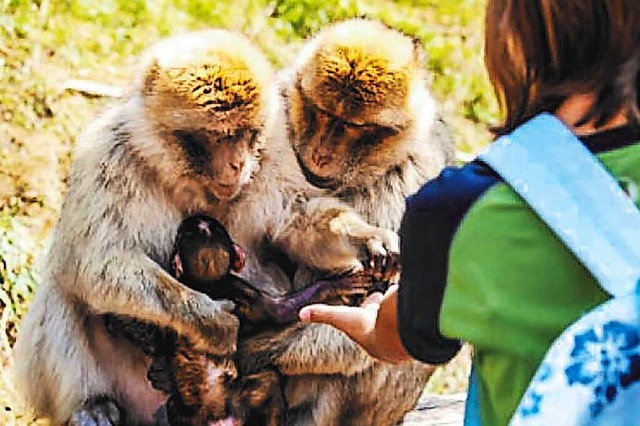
x=205, y=251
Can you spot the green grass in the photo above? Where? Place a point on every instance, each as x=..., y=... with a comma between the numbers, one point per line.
x=47, y=42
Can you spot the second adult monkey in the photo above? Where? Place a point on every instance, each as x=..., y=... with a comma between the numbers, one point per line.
x=365, y=130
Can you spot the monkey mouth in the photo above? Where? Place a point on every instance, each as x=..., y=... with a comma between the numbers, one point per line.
x=225, y=190
x=314, y=179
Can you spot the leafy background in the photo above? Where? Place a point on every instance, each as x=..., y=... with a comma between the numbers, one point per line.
x=45, y=44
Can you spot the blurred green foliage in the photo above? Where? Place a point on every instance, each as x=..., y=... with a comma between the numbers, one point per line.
x=44, y=43
x=17, y=277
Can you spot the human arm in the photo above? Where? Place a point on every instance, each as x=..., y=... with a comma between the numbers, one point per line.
x=374, y=325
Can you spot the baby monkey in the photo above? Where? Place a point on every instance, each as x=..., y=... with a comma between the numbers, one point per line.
x=204, y=388
x=206, y=259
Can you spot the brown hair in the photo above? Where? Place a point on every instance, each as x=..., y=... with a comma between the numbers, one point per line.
x=538, y=52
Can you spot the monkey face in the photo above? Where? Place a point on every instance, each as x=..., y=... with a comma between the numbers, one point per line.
x=223, y=162
x=331, y=148
x=204, y=251
x=352, y=102
x=209, y=95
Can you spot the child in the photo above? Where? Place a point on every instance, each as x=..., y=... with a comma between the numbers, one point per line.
x=477, y=263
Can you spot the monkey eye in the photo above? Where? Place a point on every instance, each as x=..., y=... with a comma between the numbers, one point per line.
x=193, y=143
x=385, y=131
x=377, y=134
x=253, y=137
x=195, y=146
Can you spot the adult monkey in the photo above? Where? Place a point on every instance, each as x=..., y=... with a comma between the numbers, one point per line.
x=186, y=139
x=366, y=131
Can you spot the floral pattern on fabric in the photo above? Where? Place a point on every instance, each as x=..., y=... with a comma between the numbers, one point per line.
x=591, y=374
x=530, y=404
x=605, y=359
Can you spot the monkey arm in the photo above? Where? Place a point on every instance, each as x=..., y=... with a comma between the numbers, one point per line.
x=328, y=235
x=130, y=283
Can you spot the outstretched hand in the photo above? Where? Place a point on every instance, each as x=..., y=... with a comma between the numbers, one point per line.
x=374, y=324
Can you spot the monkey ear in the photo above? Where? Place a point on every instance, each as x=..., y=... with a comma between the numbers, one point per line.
x=177, y=266
x=239, y=258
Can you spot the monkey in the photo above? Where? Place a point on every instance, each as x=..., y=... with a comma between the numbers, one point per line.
x=205, y=259
x=200, y=130
x=365, y=130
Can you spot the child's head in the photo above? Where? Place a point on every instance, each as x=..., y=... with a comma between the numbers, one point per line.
x=538, y=52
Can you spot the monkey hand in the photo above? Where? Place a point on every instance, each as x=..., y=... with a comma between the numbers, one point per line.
x=383, y=257
x=385, y=270
x=358, y=283
x=352, y=288
x=379, y=247
x=214, y=326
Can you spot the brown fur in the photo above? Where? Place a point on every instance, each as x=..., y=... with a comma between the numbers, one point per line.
x=331, y=380
x=140, y=168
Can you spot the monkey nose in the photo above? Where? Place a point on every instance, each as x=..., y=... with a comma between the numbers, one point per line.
x=236, y=166
x=321, y=159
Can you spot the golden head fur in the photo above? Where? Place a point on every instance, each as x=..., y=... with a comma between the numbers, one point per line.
x=218, y=75
x=361, y=68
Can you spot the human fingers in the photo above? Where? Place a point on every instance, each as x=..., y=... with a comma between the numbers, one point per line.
x=373, y=301
x=357, y=322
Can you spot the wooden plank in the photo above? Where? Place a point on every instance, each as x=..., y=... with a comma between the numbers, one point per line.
x=437, y=410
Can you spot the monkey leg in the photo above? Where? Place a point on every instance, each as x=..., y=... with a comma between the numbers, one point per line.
x=66, y=357
x=98, y=411
x=284, y=309
x=380, y=395
x=302, y=349
x=155, y=342
x=54, y=371
x=261, y=395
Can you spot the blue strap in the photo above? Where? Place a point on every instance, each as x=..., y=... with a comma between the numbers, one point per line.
x=472, y=406
x=574, y=194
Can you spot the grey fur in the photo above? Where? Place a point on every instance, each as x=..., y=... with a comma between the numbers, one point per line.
x=330, y=379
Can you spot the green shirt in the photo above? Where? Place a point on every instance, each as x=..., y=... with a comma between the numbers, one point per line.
x=479, y=265
x=513, y=287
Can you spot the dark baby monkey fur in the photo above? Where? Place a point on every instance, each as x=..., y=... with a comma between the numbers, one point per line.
x=206, y=388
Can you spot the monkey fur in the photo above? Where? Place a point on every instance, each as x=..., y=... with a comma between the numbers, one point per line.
x=201, y=130
x=365, y=130
x=204, y=260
